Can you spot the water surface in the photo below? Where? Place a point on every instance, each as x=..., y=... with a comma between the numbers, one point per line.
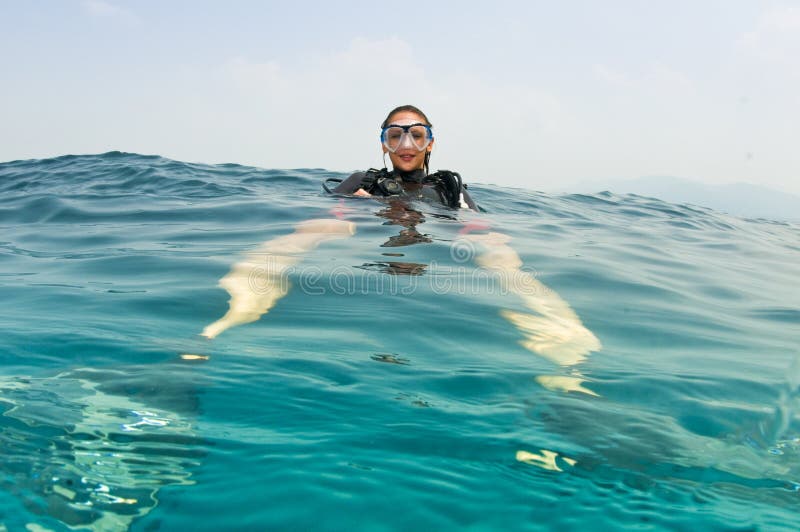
x=639, y=368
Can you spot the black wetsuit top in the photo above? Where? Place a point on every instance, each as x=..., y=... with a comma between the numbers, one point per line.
x=412, y=184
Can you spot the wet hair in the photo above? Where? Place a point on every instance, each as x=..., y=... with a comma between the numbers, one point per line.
x=412, y=109
x=402, y=108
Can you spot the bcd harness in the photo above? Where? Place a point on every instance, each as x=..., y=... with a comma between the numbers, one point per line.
x=381, y=182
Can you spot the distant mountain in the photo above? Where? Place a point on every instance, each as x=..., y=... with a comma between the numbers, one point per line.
x=740, y=199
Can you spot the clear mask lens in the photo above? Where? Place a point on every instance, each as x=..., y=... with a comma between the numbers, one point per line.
x=416, y=136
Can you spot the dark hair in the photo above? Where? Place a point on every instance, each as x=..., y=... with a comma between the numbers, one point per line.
x=403, y=108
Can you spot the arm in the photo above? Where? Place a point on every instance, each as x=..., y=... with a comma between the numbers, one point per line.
x=352, y=185
x=554, y=331
x=259, y=280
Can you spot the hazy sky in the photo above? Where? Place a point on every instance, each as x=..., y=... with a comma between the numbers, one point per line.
x=536, y=94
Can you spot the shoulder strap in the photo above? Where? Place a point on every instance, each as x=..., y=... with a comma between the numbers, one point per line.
x=325, y=183
x=371, y=176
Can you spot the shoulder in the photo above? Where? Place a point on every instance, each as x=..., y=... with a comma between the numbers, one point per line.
x=351, y=184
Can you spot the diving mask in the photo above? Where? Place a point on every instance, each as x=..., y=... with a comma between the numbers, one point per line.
x=416, y=135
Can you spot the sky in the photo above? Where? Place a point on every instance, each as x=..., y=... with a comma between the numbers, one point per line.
x=531, y=94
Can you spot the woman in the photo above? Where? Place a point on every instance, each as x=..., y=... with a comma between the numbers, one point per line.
x=407, y=136
x=552, y=330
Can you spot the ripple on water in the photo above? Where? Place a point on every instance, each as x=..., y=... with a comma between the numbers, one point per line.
x=387, y=389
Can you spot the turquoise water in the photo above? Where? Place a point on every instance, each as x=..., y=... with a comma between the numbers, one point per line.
x=639, y=370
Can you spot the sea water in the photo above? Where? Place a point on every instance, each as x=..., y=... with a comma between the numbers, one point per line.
x=644, y=374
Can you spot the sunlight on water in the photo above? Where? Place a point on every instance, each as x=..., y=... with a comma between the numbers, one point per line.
x=87, y=457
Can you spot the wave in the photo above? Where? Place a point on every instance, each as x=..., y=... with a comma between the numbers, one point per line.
x=633, y=346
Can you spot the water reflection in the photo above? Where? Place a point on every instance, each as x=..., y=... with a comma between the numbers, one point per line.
x=564, y=383
x=399, y=213
x=395, y=268
x=91, y=448
x=545, y=460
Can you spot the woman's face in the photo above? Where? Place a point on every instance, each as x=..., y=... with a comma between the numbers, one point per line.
x=407, y=158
